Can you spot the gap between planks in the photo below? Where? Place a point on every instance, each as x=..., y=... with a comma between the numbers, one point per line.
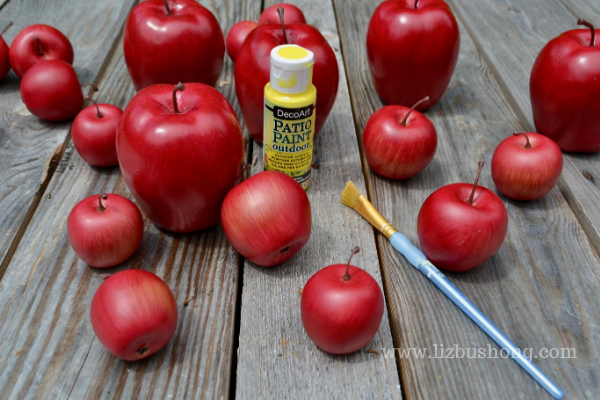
x=53, y=164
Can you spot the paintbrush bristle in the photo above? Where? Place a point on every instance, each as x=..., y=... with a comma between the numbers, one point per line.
x=350, y=194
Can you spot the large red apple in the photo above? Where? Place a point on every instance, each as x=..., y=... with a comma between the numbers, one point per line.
x=37, y=43
x=4, y=61
x=399, y=142
x=526, y=166
x=412, y=48
x=180, y=150
x=172, y=41
x=342, y=307
x=565, y=90
x=293, y=14
x=461, y=225
x=236, y=36
x=253, y=64
x=267, y=218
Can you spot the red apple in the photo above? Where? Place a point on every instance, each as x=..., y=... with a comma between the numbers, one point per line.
x=412, y=48
x=565, y=88
x=236, y=36
x=51, y=91
x=105, y=230
x=267, y=218
x=94, y=134
x=180, y=150
x=172, y=41
x=399, y=142
x=134, y=314
x=37, y=43
x=527, y=167
x=342, y=307
x=461, y=225
x=253, y=65
x=4, y=49
x=293, y=15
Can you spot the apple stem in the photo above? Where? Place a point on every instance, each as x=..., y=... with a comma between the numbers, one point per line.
x=280, y=12
x=177, y=88
x=405, y=120
x=347, y=274
x=101, y=206
x=528, y=144
x=471, y=198
x=98, y=113
x=6, y=28
x=94, y=87
x=581, y=21
x=416, y=3
x=169, y=12
x=40, y=48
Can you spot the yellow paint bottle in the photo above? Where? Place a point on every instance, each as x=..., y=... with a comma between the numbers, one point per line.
x=290, y=101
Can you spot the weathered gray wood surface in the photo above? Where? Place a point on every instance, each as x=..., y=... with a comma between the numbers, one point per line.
x=47, y=346
x=509, y=36
x=276, y=358
x=541, y=288
x=29, y=148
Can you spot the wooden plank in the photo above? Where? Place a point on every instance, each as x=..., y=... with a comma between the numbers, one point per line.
x=276, y=358
x=541, y=288
x=510, y=36
x=29, y=148
x=47, y=346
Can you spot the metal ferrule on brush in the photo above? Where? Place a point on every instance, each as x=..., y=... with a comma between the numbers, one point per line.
x=364, y=207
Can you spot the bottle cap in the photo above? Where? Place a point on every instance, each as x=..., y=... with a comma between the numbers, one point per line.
x=291, y=69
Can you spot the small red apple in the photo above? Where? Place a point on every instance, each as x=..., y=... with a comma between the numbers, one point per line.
x=236, y=36
x=94, y=134
x=565, y=90
x=37, y=43
x=293, y=15
x=412, y=49
x=51, y=91
x=527, y=167
x=342, y=307
x=134, y=314
x=461, y=225
x=4, y=49
x=267, y=218
x=105, y=230
x=171, y=41
x=399, y=142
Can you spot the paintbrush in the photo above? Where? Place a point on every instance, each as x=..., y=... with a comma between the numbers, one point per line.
x=352, y=198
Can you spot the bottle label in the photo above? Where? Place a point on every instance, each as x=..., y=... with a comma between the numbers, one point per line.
x=288, y=141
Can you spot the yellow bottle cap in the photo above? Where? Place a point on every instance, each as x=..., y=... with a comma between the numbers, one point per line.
x=291, y=68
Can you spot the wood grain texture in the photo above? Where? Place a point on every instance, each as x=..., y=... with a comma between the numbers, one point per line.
x=510, y=35
x=29, y=148
x=541, y=288
x=47, y=346
x=276, y=358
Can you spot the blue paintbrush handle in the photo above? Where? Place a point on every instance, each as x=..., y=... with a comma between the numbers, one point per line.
x=418, y=260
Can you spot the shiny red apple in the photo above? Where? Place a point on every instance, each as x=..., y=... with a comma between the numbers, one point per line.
x=172, y=41
x=37, y=43
x=51, y=91
x=253, y=64
x=181, y=150
x=134, y=314
x=236, y=36
x=293, y=14
x=460, y=226
x=267, y=218
x=4, y=49
x=94, y=134
x=526, y=166
x=105, y=230
x=412, y=49
x=565, y=90
x=399, y=142
x=342, y=307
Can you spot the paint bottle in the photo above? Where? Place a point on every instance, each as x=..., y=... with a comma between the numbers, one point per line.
x=290, y=101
